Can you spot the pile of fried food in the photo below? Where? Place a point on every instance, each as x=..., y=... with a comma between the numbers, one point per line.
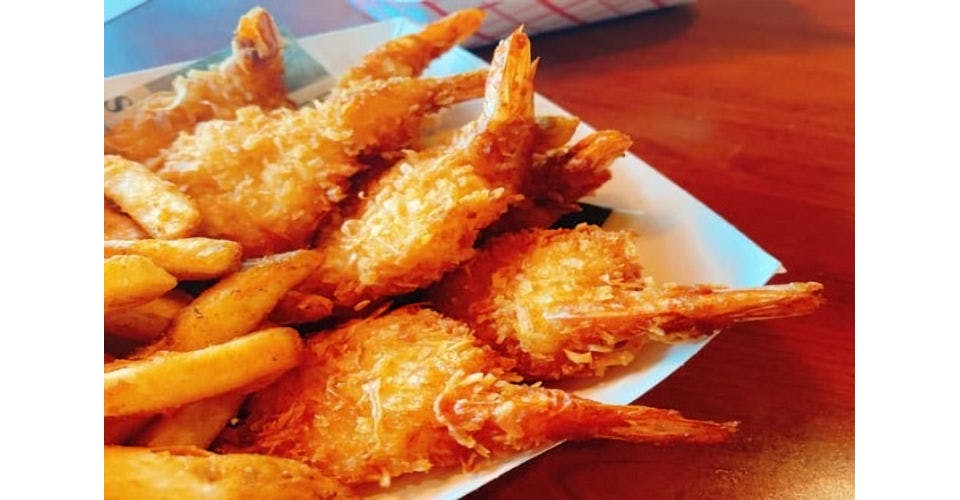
x=310, y=299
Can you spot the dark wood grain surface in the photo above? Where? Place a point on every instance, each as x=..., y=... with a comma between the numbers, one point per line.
x=749, y=106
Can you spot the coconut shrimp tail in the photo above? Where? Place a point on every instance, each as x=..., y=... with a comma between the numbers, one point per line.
x=506, y=124
x=489, y=415
x=257, y=44
x=253, y=74
x=682, y=312
x=559, y=178
x=409, y=55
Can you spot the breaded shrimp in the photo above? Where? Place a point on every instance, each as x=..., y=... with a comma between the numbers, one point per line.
x=559, y=178
x=252, y=75
x=571, y=303
x=386, y=115
x=551, y=132
x=421, y=217
x=267, y=179
x=411, y=391
x=409, y=55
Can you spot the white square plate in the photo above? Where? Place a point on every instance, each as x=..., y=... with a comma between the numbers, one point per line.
x=683, y=241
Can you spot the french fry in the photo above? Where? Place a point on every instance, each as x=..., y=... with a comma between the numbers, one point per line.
x=157, y=205
x=129, y=280
x=196, y=424
x=298, y=307
x=172, y=379
x=230, y=308
x=147, y=322
x=117, y=226
x=186, y=258
x=185, y=472
x=237, y=303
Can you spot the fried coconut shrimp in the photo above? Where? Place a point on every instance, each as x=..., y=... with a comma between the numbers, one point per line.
x=266, y=179
x=252, y=75
x=420, y=218
x=571, y=303
x=411, y=391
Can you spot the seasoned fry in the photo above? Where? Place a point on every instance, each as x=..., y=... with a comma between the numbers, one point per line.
x=232, y=307
x=571, y=303
x=186, y=259
x=157, y=205
x=196, y=424
x=421, y=217
x=410, y=391
x=117, y=226
x=185, y=473
x=147, y=322
x=299, y=307
x=171, y=379
x=409, y=55
x=129, y=280
x=238, y=303
x=252, y=75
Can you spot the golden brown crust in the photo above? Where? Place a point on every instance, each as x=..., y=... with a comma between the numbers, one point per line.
x=361, y=406
x=267, y=179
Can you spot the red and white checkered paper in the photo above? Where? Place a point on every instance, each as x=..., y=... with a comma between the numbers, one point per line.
x=537, y=16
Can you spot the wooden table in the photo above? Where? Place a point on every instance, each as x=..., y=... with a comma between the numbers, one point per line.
x=748, y=105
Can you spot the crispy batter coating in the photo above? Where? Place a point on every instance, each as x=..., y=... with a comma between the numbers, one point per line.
x=559, y=178
x=422, y=216
x=266, y=179
x=411, y=391
x=185, y=472
x=386, y=115
x=568, y=303
x=252, y=75
x=409, y=55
